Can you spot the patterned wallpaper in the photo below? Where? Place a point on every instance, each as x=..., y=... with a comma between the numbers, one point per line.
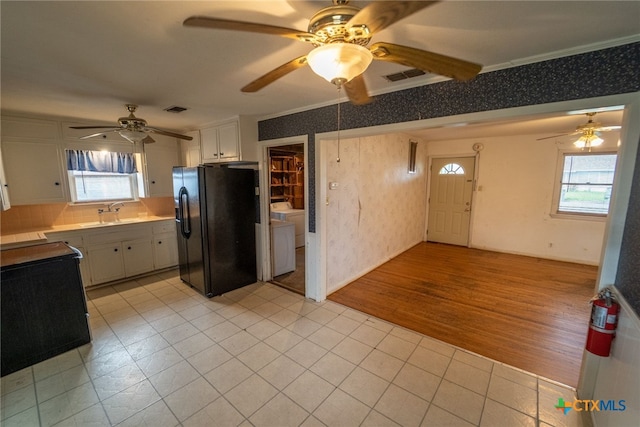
x=628, y=276
x=374, y=189
x=600, y=73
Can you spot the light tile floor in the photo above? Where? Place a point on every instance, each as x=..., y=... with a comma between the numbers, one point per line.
x=163, y=355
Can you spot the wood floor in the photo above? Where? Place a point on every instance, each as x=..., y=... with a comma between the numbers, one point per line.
x=527, y=312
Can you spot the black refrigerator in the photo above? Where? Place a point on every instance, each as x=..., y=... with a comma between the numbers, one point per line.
x=215, y=223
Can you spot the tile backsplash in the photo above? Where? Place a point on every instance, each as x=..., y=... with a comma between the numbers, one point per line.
x=31, y=217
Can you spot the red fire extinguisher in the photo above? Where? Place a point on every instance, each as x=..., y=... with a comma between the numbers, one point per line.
x=602, y=327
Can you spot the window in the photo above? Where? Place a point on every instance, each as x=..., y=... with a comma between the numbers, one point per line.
x=103, y=176
x=585, y=183
x=451, y=169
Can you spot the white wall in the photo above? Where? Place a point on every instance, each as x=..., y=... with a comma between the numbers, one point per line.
x=512, y=204
x=618, y=376
x=378, y=209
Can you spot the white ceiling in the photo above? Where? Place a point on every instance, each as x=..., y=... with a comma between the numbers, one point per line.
x=86, y=59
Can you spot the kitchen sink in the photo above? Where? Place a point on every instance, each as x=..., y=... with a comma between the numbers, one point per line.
x=109, y=223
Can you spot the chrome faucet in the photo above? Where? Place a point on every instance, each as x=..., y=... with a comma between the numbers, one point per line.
x=113, y=205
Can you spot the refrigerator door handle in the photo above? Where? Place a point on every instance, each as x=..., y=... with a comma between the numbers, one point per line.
x=185, y=217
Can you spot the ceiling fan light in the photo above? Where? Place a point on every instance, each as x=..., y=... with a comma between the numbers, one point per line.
x=339, y=62
x=132, y=135
x=595, y=141
x=588, y=141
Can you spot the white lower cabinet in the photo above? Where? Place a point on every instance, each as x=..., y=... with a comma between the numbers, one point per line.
x=123, y=251
x=165, y=244
x=74, y=239
x=117, y=252
x=106, y=263
x=137, y=256
x=165, y=250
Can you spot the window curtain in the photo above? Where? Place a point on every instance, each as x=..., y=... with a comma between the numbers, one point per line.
x=101, y=161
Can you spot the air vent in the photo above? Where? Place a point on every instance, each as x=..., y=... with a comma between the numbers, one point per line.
x=175, y=109
x=414, y=72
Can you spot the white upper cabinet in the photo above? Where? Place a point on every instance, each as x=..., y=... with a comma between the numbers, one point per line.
x=160, y=162
x=33, y=172
x=29, y=129
x=32, y=160
x=190, y=150
x=229, y=141
x=220, y=143
x=226, y=141
x=4, y=187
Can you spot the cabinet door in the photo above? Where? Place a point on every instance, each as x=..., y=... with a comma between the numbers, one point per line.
x=85, y=270
x=160, y=163
x=191, y=149
x=75, y=240
x=4, y=192
x=106, y=263
x=34, y=173
x=165, y=250
x=193, y=156
x=209, y=143
x=138, y=257
x=228, y=141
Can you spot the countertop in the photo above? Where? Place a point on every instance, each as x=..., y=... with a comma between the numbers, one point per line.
x=33, y=237
x=35, y=253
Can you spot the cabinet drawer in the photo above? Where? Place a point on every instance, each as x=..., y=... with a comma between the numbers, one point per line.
x=168, y=226
x=71, y=239
x=119, y=233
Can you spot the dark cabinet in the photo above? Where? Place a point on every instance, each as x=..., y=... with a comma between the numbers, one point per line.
x=43, y=305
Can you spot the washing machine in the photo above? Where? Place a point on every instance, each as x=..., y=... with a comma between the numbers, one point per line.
x=283, y=211
x=283, y=250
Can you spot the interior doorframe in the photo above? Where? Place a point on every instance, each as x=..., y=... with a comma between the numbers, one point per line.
x=475, y=156
x=265, y=201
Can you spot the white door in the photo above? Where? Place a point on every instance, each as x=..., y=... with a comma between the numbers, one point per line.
x=450, y=200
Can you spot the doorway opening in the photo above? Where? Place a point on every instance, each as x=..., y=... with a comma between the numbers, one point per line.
x=287, y=216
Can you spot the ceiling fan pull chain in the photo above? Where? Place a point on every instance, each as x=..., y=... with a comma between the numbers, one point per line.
x=338, y=159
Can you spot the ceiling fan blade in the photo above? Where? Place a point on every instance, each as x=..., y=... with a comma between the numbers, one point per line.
x=100, y=133
x=425, y=61
x=92, y=127
x=227, y=24
x=561, y=135
x=554, y=136
x=378, y=15
x=608, y=128
x=356, y=90
x=167, y=133
x=275, y=74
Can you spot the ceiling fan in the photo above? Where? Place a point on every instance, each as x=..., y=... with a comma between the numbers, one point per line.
x=340, y=34
x=132, y=129
x=589, y=133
